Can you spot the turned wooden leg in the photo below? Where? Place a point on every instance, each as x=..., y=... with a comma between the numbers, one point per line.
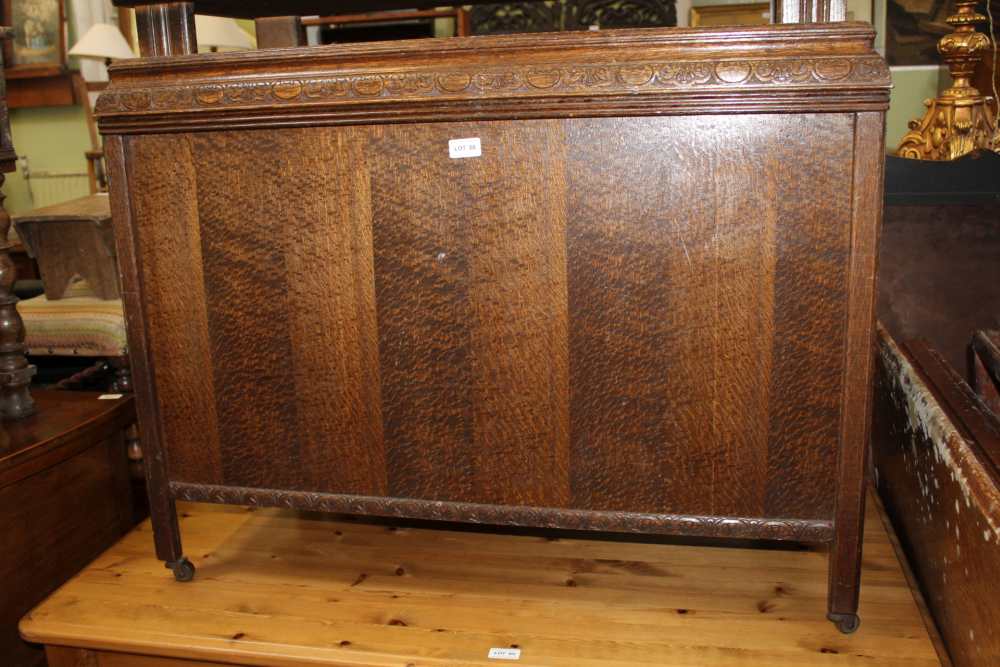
x=122, y=384
x=15, y=371
x=99, y=368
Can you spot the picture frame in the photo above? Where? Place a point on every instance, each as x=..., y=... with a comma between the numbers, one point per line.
x=38, y=47
x=756, y=13
x=913, y=28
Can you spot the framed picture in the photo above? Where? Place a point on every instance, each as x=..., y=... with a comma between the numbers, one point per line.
x=913, y=28
x=39, y=42
x=757, y=13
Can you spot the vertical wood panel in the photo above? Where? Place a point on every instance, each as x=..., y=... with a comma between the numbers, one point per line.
x=240, y=199
x=707, y=320
x=519, y=323
x=331, y=317
x=470, y=274
x=387, y=320
x=746, y=187
x=421, y=294
x=168, y=241
x=641, y=315
x=810, y=295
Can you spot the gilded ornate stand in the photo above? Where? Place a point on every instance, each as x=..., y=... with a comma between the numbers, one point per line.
x=959, y=121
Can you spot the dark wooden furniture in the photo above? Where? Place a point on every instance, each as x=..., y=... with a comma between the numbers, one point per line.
x=936, y=452
x=985, y=371
x=15, y=371
x=280, y=588
x=939, y=278
x=71, y=239
x=64, y=498
x=645, y=307
x=384, y=21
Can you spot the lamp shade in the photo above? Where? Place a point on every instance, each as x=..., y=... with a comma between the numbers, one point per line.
x=221, y=33
x=102, y=41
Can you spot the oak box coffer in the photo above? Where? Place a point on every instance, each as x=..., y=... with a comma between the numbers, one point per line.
x=616, y=281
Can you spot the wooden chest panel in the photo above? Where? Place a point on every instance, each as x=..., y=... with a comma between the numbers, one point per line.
x=639, y=314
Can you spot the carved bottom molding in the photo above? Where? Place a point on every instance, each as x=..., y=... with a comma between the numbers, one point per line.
x=799, y=530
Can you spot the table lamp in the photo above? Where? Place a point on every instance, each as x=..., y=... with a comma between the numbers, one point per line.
x=217, y=34
x=103, y=42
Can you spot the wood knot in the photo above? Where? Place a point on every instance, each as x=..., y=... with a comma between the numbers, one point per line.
x=239, y=635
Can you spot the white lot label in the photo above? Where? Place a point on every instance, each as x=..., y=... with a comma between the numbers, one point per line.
x=465, y=148
x=108, y=397
x=504, y=653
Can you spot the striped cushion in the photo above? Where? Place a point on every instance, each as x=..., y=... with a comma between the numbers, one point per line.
x=79, y=324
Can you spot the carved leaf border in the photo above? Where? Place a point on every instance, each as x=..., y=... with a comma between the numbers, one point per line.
x=500, y=82
x=536, y=517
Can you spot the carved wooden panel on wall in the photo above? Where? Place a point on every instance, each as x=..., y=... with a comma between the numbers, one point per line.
x=555, y=15
x=516, y=17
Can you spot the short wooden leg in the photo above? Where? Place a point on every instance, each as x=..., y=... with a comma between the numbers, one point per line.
x=167, y=537
x=846, y=623
x=163, y=515
x=845, y=562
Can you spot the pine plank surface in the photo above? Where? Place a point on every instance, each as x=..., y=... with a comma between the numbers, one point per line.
x=277, y=587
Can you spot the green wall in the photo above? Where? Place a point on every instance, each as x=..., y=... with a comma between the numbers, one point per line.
x=54, y=139
x=910, y=87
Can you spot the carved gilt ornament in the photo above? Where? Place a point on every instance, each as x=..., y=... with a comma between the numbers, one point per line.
x=960, y=120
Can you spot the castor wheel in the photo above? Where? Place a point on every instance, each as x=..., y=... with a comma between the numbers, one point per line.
x=846, y=623
x=183, y=569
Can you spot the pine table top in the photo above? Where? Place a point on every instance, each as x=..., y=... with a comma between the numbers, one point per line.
x=280, y=587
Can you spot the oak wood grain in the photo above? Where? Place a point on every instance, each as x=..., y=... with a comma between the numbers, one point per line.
x=646, y=306
x=574, y=341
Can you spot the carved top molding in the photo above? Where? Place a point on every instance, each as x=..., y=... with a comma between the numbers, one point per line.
x=643, y=66
x=463, y=82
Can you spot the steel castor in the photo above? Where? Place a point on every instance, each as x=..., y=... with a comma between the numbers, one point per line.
x=183, y=569
x=846, y=623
